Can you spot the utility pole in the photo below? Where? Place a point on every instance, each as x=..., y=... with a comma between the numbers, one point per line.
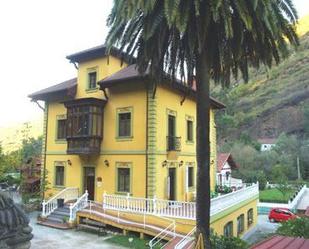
x=298, y=169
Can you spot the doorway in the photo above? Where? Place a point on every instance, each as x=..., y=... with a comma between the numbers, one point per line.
x=172, y=183
x=89, y=181
x=171, y=132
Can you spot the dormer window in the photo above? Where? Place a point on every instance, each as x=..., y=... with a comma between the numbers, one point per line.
x=92, y=80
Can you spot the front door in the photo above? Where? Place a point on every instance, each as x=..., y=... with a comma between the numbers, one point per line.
x=89, y=181
x=172, y=183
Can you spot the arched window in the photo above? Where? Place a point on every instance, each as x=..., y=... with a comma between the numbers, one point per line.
x=250, y=217
x=228, y=229
x=240, y=224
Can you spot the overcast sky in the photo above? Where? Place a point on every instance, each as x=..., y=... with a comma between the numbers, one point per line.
x=35, y=37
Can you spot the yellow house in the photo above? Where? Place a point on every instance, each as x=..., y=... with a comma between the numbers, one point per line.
x=111, y=130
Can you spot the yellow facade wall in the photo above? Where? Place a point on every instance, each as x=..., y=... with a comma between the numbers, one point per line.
x=104, y=66
x=74, y=173
x=169, y=101
x=133, y=149
x=218, y=224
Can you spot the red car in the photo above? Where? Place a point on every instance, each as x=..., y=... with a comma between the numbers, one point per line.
x=280, y=214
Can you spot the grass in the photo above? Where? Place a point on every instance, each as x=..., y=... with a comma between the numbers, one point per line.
x=136, y=243
x=274, y=195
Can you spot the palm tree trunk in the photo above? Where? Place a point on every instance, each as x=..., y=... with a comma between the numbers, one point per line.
x=203, y=149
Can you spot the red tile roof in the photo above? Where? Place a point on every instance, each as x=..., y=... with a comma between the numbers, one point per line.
x=98, y=52
x=64, y=89
x=131, y=73
x=283, y=242
x=223, y=158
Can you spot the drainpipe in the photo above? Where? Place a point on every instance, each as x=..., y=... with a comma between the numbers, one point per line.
x=45, y=149
x=147, y=139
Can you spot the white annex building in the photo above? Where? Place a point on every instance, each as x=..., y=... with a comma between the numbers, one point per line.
x=267, y=143
x=225, y=165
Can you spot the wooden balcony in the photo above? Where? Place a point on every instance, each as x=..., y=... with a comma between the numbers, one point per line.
x=84, y=126
x=84, y=145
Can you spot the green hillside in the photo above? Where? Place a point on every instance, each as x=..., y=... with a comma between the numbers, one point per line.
x=273, y=101
x=11, y=137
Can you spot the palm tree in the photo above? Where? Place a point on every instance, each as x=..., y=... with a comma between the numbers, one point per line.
x=212, y=39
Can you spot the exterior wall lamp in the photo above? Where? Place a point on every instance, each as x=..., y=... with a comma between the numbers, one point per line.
x=180, y=163
x=69, y=162
x=106, y=162
x=164, y=164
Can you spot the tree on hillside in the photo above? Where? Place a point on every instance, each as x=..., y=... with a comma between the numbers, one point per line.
x=207, y=38
x=31, y=147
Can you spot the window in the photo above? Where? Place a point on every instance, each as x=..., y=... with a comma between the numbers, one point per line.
x=190, y=176
x=61, y=129
x=250, y=216
x=189, y=130
x=59, y=180
x=228, y=229
x=92, y=80
x=240, y=224
x=124, y=125
x=123, y=180
x=227, y=174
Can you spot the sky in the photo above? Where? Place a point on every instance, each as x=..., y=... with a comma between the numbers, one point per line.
x=35, y=38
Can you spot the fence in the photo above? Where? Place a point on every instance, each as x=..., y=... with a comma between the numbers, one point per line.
x=176, y=209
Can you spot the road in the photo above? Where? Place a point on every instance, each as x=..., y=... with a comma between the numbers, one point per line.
x=261, y=230
x=49, y=238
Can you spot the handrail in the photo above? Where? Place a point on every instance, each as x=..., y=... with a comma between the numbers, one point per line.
x=57, y=195
x=171, y=227
x=175, y=209
x=81, y=203
x=179, y=244
x=67, y=194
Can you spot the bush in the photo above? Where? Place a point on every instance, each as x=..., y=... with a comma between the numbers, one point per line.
x=295, y=228
x=221, y=242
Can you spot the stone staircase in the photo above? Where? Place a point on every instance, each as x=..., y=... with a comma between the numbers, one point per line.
x=58, y=218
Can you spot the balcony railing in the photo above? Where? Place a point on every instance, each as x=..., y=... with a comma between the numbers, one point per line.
x=177, y=209
x=173, y=143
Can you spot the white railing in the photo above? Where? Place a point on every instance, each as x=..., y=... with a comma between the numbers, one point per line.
x=81, y=203
x=226, y=201
x=169, y=231
x=290, y=204
x=176, y=209
x=186, y=239
x=67, y=194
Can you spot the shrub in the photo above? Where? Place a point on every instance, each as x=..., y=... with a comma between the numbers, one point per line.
x=295, y=228
x=221, y=242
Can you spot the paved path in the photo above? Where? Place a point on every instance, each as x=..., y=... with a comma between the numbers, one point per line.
x=304, y=203
x=261, y=230
x=49, y=238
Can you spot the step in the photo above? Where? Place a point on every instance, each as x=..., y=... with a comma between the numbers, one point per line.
x=61, y=212
x=52, y=224
x=63, y=209
x=92, y=222
x=100, y=230
x=59, y=216
x=55, y=219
